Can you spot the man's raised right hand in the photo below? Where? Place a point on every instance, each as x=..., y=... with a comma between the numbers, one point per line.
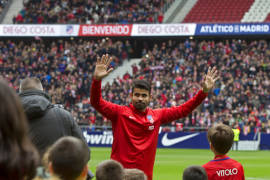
x=102, y=65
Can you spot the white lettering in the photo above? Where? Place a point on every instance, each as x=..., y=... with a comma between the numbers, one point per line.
x=28, y=30
x=105, y=30
x=95, y=139
x=234, y=171
x=218, y=173
x=227, y=172
x=254, y=28
x=105, y=138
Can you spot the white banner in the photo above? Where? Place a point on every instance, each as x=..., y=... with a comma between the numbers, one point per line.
x=38, y=30
x=163, y=30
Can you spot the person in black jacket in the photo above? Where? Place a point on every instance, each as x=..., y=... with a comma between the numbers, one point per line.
x=47, y=122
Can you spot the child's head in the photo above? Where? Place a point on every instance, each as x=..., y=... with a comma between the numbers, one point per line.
x=194, y=173
x=134, y=174
x=220, y=138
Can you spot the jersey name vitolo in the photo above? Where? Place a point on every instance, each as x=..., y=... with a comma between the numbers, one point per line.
x=227, y=172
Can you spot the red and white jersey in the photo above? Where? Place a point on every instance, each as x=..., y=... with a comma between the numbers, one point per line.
x=224, y=168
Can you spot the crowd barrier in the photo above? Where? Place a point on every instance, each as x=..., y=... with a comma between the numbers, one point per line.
x=187, y=140
x=133, y=30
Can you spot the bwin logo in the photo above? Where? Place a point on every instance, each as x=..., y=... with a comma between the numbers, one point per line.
x=227, y=172
x=105, y=138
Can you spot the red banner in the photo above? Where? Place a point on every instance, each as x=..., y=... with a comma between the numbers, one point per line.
x=105, y=30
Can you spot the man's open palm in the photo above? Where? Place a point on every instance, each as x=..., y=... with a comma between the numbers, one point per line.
x=102, y=65
x=210, y=79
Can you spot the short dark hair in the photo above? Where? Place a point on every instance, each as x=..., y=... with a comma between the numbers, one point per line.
x=194, y=173
x=134, y=174
x=221, y=137
x=109, y=169
x=30, y=83
x=141, y=84
x=20, y=158
x=68, y=156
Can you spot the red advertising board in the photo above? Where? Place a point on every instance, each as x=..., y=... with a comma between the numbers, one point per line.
x=105, y=30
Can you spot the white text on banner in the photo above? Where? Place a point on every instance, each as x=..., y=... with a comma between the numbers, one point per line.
x=44, y=30
x=163, y=29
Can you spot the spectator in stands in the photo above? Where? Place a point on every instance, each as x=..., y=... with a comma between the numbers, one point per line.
x=18, y=157
x=134, y=174
x=48, y=122
x=109, y=169
x=220, y=138
x=194, y=173
x=68, y=159
x=141, y=142
x=91, y=12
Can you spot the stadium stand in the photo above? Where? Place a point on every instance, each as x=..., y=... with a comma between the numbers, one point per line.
x=92, y=12
x=67, y=60
x=218, y=11
x=257, y=12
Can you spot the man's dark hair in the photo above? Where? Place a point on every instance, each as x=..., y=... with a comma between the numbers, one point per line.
x=68, y=156
x=134, y=174
x=19, y=158
x=109, y=169
x=221, y=137
x=194, y=173
x=141, y=84
x=30, y=83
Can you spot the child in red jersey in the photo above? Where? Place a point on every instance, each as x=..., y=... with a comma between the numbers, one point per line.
x=222, y=167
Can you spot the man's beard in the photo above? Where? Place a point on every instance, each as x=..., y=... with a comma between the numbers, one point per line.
x=140, y=105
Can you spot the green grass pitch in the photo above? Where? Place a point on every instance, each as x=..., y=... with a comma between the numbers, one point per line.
x=170, y=163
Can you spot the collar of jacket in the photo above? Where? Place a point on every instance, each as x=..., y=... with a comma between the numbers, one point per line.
x=138, y=112
x=34, y=92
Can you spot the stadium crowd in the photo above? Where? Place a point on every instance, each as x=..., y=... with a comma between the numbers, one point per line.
x=91, y=12
x=173, y=67
x=242, y=96
x=65, y=66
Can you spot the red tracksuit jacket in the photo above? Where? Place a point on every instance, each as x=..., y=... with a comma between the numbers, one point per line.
x=135, y=133
x=224, y=168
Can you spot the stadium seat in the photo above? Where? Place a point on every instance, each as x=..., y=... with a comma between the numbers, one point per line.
x=224, y=11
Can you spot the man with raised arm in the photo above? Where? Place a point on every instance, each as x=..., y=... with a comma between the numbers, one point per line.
x=136, y=126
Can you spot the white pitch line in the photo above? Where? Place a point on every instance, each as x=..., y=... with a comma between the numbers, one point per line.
x=252, y=178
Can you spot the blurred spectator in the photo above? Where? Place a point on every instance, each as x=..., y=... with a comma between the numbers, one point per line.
x=109, y=169
x=134, y=174
x=3, y=4
x=48, y=122
x=194, y=173
x=19, y=158
x=68, y=159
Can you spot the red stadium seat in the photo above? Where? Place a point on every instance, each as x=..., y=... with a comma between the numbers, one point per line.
x=218, y=11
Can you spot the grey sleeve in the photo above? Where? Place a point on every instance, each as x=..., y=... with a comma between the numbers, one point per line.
x=75, y=129
x=71, y=126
